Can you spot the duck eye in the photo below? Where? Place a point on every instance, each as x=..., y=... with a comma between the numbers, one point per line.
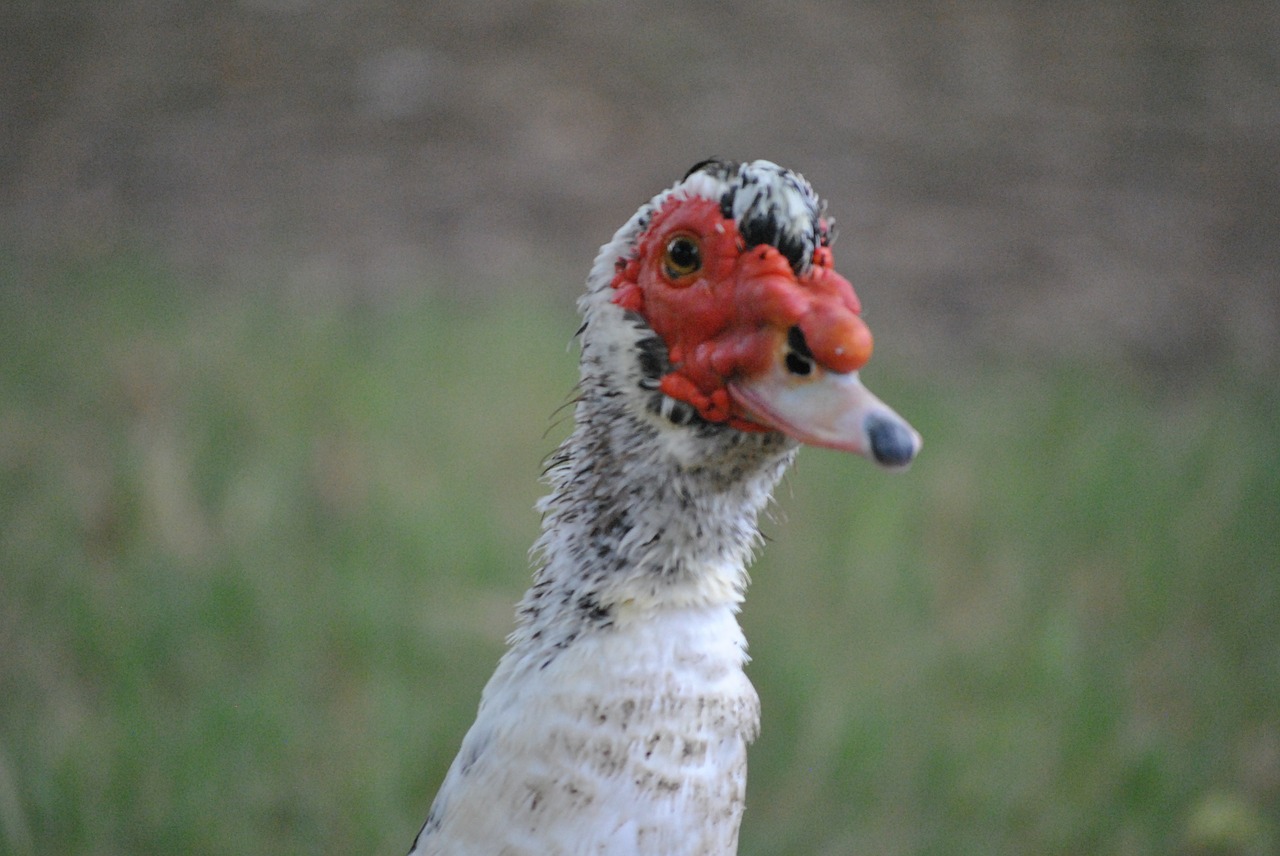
x=683, y=257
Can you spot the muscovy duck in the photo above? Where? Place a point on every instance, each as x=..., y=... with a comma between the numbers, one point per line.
x=716, y=338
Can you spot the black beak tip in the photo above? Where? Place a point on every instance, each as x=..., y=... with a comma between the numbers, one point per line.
x=893, y=443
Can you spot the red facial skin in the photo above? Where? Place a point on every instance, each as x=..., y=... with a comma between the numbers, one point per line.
x=730, y=318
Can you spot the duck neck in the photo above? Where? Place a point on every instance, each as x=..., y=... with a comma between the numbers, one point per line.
x=644, y=518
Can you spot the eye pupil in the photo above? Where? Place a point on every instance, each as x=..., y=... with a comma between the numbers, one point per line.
x=683, y=253
x=683, y=257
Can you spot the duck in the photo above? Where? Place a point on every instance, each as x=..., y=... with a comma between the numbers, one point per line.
x=716, y=339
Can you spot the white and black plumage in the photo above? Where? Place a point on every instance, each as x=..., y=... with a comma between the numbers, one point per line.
x=716, y=338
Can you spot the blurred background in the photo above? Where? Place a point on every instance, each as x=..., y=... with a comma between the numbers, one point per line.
x=285, y=293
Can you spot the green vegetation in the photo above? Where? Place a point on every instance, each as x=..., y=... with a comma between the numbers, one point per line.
x=257, y=561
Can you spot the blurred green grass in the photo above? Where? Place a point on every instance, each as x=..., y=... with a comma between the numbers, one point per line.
x=260, y=557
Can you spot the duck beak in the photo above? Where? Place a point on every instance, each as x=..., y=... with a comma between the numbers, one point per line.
x=826, y=408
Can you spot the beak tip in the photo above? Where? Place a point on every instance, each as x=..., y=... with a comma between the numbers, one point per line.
x=893, y=443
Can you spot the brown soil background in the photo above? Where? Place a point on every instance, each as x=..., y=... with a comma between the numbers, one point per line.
x=1089, y=179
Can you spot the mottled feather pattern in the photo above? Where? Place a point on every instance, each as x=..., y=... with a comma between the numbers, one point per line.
x=617, y=721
